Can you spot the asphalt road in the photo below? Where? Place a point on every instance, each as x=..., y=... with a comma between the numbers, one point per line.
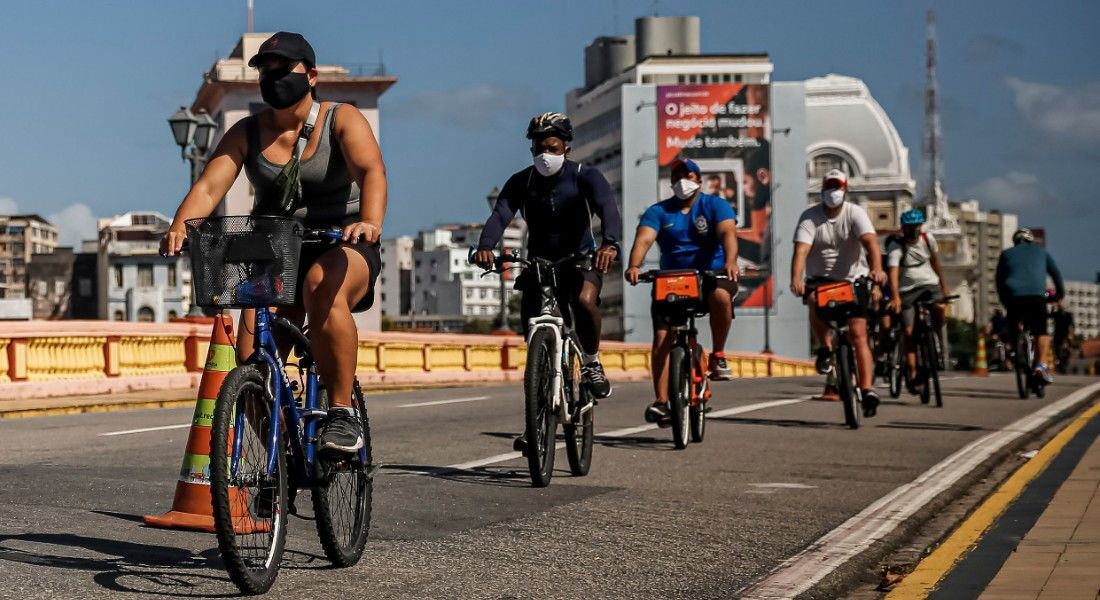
x=648, y=521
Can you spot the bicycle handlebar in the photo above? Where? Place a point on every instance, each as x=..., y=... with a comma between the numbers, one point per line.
x=307, y=235
x=651, y=275
x=501, y=262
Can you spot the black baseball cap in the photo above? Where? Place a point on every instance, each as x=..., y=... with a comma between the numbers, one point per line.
x=287, y=45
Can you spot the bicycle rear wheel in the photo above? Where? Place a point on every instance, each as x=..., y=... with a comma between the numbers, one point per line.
x=249, y=504
x=342, y=495
x=540, y=426
x=679, y=390
x=697, y=413
x=846, y=383
x=1022, y=363
x=579, y=434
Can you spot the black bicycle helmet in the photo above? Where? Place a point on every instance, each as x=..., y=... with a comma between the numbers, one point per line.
x=550, y=124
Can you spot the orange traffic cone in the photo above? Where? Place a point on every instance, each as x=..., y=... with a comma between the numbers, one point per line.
x=191, y=507
x=981, y=367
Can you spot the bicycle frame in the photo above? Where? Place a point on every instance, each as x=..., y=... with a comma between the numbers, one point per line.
x=562, y=335
x=300, y=423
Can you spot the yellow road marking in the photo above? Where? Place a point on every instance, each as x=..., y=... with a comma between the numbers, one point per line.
x=937, y=565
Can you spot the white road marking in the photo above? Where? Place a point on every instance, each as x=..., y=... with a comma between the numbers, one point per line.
x=802, y=571
x=618, y=433
x=438, y=402
x=784, y=486
x=145, y=429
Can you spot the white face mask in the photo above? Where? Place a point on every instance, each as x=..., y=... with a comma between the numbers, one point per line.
x=684, y=188
x=547, y=164
x=832, y=198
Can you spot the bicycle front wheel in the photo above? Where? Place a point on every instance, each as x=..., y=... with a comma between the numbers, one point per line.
x=846, y=383
x=541, y=423
x=893, y=369
x=679, y=390
x=249, y=503
x=932, y=379
x=342, y=495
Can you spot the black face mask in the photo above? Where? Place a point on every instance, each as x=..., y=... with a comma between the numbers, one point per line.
x=283, y=89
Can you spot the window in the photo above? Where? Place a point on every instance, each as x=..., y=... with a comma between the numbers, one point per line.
x=726, y=78
x=172, y=315
x=59, y=287
x=823, y=163
x=172, y=276
x=40, y=288
x=118, y=277
x=119, y=316
x=145, y=276
x=146, y=315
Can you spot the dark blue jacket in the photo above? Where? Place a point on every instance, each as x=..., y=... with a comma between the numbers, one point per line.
x=1022, y=272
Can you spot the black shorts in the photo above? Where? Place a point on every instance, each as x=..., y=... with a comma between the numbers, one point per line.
x=312, y=251
x=1029, y=310
x=570, y=282
x=665, y=316
x=909, y=299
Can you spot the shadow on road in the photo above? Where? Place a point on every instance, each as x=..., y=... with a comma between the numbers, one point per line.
x=930, y=426
x=780, y=422
x=635, y=442
x=121, y=566
x=495, y=476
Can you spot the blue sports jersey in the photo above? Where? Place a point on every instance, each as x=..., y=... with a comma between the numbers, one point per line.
x=689, y=241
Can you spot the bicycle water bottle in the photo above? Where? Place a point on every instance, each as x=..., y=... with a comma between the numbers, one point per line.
x=262, y=289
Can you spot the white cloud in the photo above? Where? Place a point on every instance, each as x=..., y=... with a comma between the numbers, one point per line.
x=1062, y=112
x=471, y=107
x=8, y=206
x=75, y=223
x=1016, y=192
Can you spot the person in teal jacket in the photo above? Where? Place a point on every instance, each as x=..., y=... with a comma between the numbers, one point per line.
x=1022, y=287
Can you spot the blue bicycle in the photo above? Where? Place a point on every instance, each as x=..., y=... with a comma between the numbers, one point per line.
x=263, y=442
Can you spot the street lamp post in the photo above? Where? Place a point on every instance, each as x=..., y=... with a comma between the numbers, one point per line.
x=194, y=134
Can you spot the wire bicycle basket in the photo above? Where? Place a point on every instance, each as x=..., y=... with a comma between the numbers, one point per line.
x=244, y=261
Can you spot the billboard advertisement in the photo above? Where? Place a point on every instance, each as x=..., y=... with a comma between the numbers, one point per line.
x=726, y=129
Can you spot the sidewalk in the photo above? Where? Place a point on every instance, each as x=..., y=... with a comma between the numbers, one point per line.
x=1060, y=556
x=1037, y=536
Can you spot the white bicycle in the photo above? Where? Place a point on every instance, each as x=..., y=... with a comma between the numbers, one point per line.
x=552, y=384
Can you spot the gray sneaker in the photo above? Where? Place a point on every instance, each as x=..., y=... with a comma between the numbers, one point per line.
x=719, y=369
x=341, y=432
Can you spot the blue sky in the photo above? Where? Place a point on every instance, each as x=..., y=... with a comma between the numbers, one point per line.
x=90, y=84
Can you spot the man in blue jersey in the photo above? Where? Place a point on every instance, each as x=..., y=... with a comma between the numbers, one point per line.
x=694, y=231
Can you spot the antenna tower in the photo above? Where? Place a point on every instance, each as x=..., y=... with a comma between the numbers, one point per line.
x=933, y=142
x=249, y=16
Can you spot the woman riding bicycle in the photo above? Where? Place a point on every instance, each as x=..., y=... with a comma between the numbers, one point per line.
x=915, y=276
x=694, y=231
x=320, y=163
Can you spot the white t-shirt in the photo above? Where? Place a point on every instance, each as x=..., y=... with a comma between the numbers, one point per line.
x=836, y=251
x=915, y=262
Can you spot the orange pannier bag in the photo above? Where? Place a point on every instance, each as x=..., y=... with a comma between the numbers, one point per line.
x=841, y=292
x=676, y=287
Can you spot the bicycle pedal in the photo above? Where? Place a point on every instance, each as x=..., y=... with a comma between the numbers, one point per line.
x=665, y=423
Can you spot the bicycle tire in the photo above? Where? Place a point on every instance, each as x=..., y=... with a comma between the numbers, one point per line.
x=1022, y=365
x=849, y=395
x=540, y=421
x=679, y=388
x=894, y=374
x=342, y=496
x=251, y=555
x=697, y=414
x=932, y=379
x=579, y=434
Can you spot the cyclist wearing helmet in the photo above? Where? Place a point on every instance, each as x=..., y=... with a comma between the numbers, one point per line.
x=834, y=241
x=1022, y=287
x=915, y=276
x=694, y=231
x=558, y=198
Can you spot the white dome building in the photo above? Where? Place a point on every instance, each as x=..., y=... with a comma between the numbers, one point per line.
x=848, y=130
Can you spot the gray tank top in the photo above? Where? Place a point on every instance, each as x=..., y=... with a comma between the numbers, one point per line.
x=329, y=195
